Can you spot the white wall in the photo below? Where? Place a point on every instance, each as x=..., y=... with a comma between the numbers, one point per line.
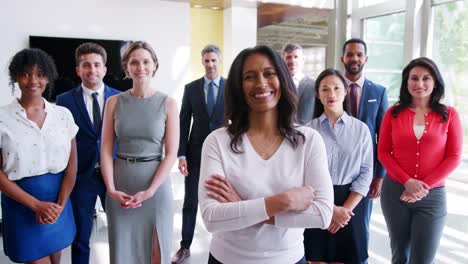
x=165, y=25
x=240, y=32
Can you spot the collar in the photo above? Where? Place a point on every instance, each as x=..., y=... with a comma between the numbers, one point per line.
x=89, y=92
x=344, y=118
x=299, y=76
x=15, y=105
x=359, y=82
x=216, y=80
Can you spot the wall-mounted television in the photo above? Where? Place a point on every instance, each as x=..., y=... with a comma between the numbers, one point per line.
x=62, y=51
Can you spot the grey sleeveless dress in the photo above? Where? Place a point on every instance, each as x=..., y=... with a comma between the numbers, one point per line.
x=139, y=125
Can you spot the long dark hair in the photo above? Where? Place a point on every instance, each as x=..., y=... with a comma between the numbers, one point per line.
x=236, y=108
x=319, y=109
x=437, y=94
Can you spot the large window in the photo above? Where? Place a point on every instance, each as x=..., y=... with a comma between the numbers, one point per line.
x=450, y=49
x=384, y=36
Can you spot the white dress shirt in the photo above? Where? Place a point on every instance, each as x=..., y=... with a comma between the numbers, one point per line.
x=88, y=99
x=239, y=236
x=29, y=150
x=297, y=78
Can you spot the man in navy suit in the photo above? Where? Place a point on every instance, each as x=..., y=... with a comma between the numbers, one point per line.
x=293, y=55
x=203, y=105
x=86, y=102
x=368, y=102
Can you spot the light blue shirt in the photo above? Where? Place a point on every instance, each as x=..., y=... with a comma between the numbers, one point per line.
x=349, y=151
x=216, y=87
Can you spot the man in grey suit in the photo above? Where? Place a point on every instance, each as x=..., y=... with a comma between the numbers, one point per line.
x=293, y=55
x=368, y=102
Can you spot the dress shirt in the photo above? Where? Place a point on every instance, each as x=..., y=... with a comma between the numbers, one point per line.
x=297, y=79
x=239, y=236
x=359, y=84
x=216, y=87
x=29, y=150
x=349, y=151
x=431, y=158
x=88, y=99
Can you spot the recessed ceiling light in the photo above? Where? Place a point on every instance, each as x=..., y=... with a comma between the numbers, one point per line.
x=215, y=7
x=197, y=6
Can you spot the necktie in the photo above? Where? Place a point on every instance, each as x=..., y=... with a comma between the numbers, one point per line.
x=210, y=100
x=96, y=113
x=353, y=99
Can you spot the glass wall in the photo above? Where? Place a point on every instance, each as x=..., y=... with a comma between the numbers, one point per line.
x=384, y=36
x=450, y=52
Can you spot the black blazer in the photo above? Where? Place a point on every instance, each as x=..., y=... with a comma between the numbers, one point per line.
x=194, y=107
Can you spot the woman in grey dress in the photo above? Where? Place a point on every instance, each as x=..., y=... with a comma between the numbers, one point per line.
x=144, y=124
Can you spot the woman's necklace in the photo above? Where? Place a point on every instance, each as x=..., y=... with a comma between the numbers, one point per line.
x=264, y=151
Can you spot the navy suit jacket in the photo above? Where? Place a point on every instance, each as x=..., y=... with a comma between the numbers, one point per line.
x=372, y=108
x=194, y=107
x=88, y=141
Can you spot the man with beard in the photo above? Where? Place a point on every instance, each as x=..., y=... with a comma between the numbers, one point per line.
x=367, y=102
x=293, y=55
x=203, y=106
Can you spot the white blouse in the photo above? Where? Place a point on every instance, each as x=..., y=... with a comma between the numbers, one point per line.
x=28, y=150
x=239, y=236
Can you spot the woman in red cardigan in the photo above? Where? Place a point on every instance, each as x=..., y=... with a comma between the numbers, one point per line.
x=420, y=145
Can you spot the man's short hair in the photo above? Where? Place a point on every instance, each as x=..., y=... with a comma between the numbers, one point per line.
x=211, y=48
x=88, y=48
x=291, y=47
x=355, y=40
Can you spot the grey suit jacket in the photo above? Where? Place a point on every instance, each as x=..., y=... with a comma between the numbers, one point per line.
x=306, y=100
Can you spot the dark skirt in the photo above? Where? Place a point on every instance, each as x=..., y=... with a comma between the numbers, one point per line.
x=24, y=239
x=348, y=245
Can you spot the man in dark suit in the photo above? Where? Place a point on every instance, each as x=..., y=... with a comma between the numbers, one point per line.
x=86, y=102
x=293, y=55
x=368, y=102
x=202, y=103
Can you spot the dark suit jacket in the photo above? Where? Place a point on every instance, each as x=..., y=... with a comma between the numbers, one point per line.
x=88, y=141
x=372, y=107
x=306, y=100
x=194, y=107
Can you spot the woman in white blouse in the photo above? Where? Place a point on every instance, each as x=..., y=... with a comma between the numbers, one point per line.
x=38, y=165
x=262, y=178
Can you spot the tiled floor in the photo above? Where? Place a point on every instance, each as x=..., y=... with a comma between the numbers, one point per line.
x=453, y=248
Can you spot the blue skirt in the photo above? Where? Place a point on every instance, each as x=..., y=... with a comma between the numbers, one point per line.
x=24, y=239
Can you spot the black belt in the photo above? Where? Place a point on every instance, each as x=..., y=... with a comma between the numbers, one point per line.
x=139, y=159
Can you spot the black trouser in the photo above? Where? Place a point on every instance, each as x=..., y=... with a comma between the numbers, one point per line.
x=189, y=210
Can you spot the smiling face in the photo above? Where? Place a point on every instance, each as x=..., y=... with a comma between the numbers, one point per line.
x=332, y=93
x=32, y=82
x=210, y=61
x=141, y=66
x=354, y=59
x=294, y=60
x=260, y=83
x=91, y=70
x=420, y=83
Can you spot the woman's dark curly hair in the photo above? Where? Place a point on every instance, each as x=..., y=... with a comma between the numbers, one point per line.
x=237, y=110
x=437, y=94
x=29, y=58
x=319, y=108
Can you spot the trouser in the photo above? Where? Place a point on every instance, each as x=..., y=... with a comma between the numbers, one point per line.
x=83, y=199
x=190, y=207
x=415, y=229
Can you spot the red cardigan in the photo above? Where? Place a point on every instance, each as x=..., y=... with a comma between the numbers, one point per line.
x=431, y=158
